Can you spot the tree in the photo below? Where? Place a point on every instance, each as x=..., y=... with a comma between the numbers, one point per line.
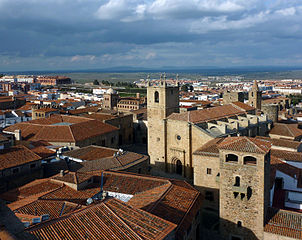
x=184, y=88
x=96, y=82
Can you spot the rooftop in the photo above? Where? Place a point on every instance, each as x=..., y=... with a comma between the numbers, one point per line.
x=61, y=128
x=245, y=144
x=111, y=219
x=286, y=130
x=16, y=156
x=203, y=115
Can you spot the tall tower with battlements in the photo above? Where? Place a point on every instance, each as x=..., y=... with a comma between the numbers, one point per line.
x=162, y=100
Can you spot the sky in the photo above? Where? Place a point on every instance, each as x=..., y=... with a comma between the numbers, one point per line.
x=96, y=34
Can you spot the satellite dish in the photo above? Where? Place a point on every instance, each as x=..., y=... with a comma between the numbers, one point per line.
x=89, y=201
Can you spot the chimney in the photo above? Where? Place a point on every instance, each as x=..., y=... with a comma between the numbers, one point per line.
x=17, y=134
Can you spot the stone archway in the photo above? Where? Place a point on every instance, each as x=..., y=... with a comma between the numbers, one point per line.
x=177, y=166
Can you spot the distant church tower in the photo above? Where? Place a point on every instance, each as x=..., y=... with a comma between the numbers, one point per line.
x=255, y=96
x=244, y=187
x=162, y=100
x=111, y=98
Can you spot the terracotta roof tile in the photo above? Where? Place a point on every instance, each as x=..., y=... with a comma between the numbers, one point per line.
x=282, y=142
x=284, y=223
x=243, y=106
x=245, y=144
x=207, y=114
x=286, y=130
x=210, y=148
x=76, y=129
x=42, y=207
x=15, y=156
x=111, y=219
x=287, y=155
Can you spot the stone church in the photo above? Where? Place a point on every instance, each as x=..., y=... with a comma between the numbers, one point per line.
x=174, y=136
x=215, y=149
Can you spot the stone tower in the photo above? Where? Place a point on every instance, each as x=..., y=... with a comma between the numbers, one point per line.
x=255, y=96
x=111, y=98
x=162, y=100
x=244, y=187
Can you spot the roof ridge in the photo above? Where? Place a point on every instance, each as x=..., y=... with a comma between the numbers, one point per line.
x=161, y=197
x=69, y=127
x=105, y=205
x=259, y=148
x=290, y=130
x=140, y=211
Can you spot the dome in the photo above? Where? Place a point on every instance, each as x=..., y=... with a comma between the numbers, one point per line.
x=111, y=91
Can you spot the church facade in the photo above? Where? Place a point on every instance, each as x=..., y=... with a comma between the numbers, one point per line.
x=174, y=136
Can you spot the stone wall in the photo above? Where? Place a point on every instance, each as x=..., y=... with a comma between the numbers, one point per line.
x=243, y=204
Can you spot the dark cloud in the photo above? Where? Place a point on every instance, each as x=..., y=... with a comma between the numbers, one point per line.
x=53, y=34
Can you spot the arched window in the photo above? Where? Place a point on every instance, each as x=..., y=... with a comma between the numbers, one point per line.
x=231, y=158
x=237, y=181
x=156, y=97
x=250, y=160
x=179, y=167
x=239, y=224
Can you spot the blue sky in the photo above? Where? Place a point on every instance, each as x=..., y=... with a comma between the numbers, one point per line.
x=93, y=34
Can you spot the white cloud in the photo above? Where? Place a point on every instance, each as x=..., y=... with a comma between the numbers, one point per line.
x=287, y=11
x=78, y=58
x=208, y=24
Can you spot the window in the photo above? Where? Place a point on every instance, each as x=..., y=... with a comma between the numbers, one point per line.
x=237, y=181
x=249, y=193
x=15, y=170
x=231, y=158
x=239, y=224
x=178, y=137
x=250, y=160
x=209, y=196
x=156, y=97
x=209, y=171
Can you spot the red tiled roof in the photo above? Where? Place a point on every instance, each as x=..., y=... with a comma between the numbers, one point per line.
x=35, y=188
x=15, y=156
x=282, y=142
x=78, y=129
x=243, y=106
x=91, y=153
x=168, y=201
x=286, y=130
x=99, y=116
x=111, y=219
x=207, y=114
x=210, y=148
x=43, y=151
x=285, y=223
x=73, y=177
x=245, y=144
x=41, y=207
x=287, y=155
